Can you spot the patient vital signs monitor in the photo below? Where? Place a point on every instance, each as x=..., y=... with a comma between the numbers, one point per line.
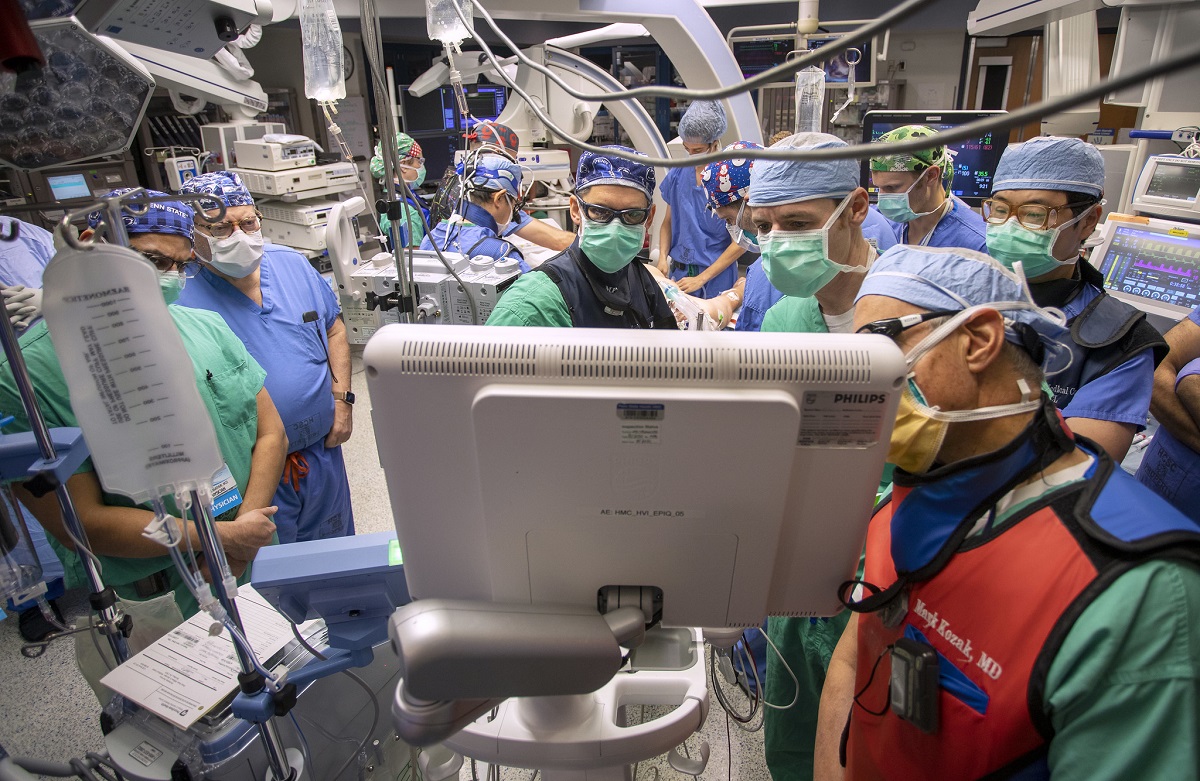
x=1153, y=264
x=554, y=465
x=975, y=159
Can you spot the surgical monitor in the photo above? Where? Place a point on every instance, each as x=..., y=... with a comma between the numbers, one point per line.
x=975, y=159
x=1169, y=186
x=1150, y=263
x=732, y=478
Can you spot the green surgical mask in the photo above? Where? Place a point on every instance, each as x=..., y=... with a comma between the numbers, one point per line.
x=171, y=283
x=897, y=207
x=797, y=262
x=1011, y=242
x=613, y=246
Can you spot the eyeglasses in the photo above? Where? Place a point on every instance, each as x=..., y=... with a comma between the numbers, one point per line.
x=223, y=230
x=1034, y=216
x=412, y=162
x=894, y=326
x=164, y=263
x=604, y=215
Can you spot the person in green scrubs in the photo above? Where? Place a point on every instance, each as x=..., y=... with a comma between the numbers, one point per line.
x=249, y=432
x=809, y=217
x=1059, y=594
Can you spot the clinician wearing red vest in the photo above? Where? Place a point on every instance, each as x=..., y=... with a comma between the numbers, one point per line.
x=1028, y=610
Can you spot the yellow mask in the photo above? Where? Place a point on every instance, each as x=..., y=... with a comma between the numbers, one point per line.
x=917, y=437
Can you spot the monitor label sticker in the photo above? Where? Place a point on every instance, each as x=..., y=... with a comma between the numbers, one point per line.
x=640, y=423
x=850, y=419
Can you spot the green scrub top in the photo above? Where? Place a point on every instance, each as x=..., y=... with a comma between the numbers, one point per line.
x=789, y=736
x=1126, y=679
x=229, y=380
x=533, y=300
x=795, y=315
x=411, y=218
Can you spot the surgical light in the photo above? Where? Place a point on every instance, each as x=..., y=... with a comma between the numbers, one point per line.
x=87, y=101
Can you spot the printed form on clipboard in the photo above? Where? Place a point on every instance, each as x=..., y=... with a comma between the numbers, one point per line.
x=187, y=672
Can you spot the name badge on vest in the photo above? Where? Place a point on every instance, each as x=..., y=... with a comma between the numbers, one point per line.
x=225, y=491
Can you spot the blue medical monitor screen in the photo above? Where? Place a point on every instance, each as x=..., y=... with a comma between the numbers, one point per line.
x=68, y=187
x=1153, y=265
x=975, y=159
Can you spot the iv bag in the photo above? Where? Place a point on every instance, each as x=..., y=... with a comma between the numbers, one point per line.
x=810, y=99
x=132, y=384
x=443, y=24
x=20, y=570
x=321, y=36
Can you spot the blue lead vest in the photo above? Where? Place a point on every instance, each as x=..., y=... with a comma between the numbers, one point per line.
x=1106, y=334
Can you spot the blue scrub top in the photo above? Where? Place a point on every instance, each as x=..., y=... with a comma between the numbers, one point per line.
x=877, y=229
x=1170, y=468
x=22, y=261
x=959, y=227
x=1122, y=395
x=292, y=352
x=698, y=237
x=758, y=296
x=478, y=236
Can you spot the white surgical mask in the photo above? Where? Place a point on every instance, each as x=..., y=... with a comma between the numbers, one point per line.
x=238, y=255
x=739, y=235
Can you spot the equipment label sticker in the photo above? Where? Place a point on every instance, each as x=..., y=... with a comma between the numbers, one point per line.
x=841, y=419
x=640, y=423
x=145, y=753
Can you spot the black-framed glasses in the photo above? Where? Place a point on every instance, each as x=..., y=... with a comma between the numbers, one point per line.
x=1034, y=216
x=604, y=215
x=894, y=326
x=164, y=263
x=223, y=230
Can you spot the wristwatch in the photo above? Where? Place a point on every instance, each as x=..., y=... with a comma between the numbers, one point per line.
x=346, y=396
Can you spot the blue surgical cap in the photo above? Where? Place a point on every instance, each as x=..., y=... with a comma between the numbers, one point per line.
x=174, y=217
x=776, y=182
x=1051, y=163
x=703, y=123
x=493, y=172
x=604, y=169
x=934, y=278
x=224, y=186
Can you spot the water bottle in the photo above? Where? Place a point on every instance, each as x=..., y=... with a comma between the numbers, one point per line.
x=443, y=24
x=322, y=38
x=810, y=99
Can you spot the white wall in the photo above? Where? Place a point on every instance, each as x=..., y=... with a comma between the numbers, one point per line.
x=931, y=63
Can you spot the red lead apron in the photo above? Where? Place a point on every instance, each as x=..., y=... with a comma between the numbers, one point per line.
x=988, y=613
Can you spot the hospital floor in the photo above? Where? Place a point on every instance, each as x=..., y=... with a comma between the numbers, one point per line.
x=48, y=711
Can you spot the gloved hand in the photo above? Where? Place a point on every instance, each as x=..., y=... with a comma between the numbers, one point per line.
x=22, y=304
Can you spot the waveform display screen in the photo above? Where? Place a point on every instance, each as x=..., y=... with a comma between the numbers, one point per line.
x=1153, y=265
x=975, y=160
